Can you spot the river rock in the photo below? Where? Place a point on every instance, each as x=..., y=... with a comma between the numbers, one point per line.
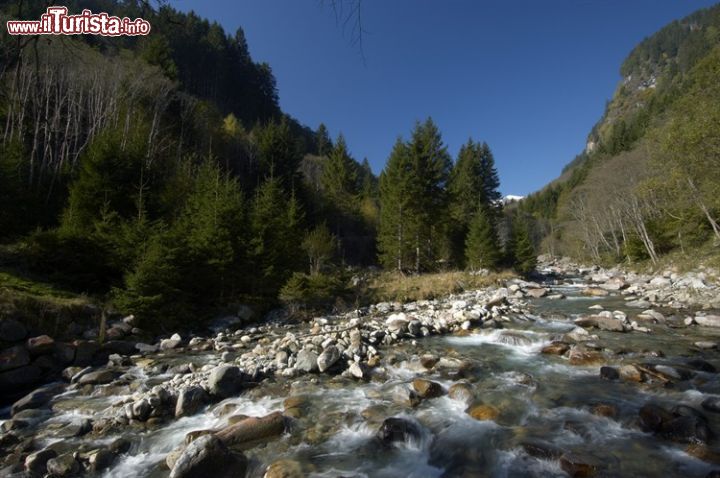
x=253, y=430
x=708, y=320
x=208, y=457
x=306, y=361
x=100, y=459
x=141, y=410
x=63, y=465
x=541, y=449
x=284, y=469
x=462, y=392
x=427, y=389
x=36, y=463
x=483, y=411
x=14, y=357
x=609, y=373
x=579, y=355
x=555, y=348
x=580, y=465
x=537, y=293
x=37, y=398
x=358, y=370
x=173, y=342
x=328, y=358
x=631, y=373
x=396, y=429
x=397, y=323
x=225, y=381
x=12, y=331
x=40, y=345
x=405, y=396
x=711, y=404
x=190, y=400
x=595, y=292
x=98, y=377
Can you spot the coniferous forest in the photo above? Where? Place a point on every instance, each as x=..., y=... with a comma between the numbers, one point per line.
x=159, y=174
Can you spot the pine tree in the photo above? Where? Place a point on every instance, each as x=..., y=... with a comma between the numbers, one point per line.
x=525, y=259
x=431, y=171
x=278, y=153
x=396, y=209
x=413, y=201
x=340, y=178
x=275, y=224
x=490, y=179
x=481, y=245
x=322, y=138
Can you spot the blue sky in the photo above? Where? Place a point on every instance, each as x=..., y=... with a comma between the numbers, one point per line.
x=530, y=77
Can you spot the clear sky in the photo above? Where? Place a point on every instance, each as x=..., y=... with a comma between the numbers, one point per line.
x=530, y=77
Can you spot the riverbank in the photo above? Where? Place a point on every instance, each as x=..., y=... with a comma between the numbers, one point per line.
x=536, y=374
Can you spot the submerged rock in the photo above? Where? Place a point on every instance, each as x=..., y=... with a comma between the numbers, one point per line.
x=427, y=389
x=398, y=429
x=208, y=456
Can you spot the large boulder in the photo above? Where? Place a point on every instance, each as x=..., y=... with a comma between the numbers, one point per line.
x=190, y=400
x=306, y=361
x=37, y=398
x=36, y=463
x=98, y=377
x=708, y=320
x=252, y=431
x=63, y=465
x=398, y=429
x=284, y=469
x=40, y=345
x=208, y=457
x=173, y=342
x=328, y=358
x=225, y=381
x=427, y=389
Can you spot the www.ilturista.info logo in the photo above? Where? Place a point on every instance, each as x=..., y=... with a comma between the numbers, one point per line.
x=57, y=22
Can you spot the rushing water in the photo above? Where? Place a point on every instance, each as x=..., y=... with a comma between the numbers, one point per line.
x=540, y=397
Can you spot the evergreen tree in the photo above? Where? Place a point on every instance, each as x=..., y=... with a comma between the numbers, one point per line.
x=481, y=245
x=340, y=178
x=429, y=177
x=396, y=216
x=275, y=225
x=322, y=138
x=524, y=257
x=490, y=178
x=413, y=201
x=278, y=153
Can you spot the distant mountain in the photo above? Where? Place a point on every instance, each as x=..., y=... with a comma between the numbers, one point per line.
x=510, y=198
x=642, y=186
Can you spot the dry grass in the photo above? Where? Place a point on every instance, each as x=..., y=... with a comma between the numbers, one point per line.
x=393, y=286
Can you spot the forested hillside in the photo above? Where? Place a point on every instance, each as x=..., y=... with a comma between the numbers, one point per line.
x=159, y=174
x=646, y=184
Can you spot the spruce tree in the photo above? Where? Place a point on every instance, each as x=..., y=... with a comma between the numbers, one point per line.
x=278, y=153
x=396, y=209
x=275, y=224
x=481, y=245
x=524, y=257
x=322, y=138
x=340, y=178
x=490, y=178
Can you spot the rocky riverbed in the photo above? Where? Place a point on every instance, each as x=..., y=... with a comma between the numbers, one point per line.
x=588, y=372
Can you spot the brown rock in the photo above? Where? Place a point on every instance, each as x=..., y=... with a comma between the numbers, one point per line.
x=14, y=357
x=605, y=410
x=483, y=412
x=580, y=465
x=556, y=348
x=462, y=392
x=40, y=345
x=582, y=356
x=704, y=453
x=631, y=373
x=253, y=430
x=284, y=469
x=427, y=388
